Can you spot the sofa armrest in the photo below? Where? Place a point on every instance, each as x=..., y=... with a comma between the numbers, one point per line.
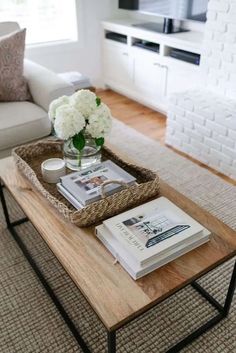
x=45, y=85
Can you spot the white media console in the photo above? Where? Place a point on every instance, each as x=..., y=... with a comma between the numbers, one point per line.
x=142, y=74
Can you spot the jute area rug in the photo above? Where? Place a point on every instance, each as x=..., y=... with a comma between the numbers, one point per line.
x=29, y=321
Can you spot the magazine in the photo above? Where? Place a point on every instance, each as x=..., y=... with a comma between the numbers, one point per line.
x=150, y=230
x=85, y=185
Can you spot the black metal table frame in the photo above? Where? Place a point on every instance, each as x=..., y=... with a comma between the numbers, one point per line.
x=223, y=310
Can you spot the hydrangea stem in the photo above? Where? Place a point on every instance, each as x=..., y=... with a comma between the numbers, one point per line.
x=79, y=158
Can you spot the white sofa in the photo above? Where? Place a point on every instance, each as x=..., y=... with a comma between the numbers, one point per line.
x=22, y=122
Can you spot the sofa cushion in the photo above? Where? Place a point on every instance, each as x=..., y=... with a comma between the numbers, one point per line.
x=21, y=122
x=13, y=86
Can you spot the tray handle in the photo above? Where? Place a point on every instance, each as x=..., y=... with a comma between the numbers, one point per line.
x=108, y=182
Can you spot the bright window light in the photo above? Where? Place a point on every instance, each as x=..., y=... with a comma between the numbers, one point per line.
x=45, y=20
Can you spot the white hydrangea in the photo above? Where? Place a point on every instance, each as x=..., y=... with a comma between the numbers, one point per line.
x=68, y=122
x=84, y=101
x=100, y=122
x=56, y=103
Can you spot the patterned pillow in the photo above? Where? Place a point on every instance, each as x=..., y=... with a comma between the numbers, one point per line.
x=13, y=86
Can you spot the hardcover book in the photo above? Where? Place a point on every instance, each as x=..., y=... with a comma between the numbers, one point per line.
x=151, y=230
x=137, y=271
x=64, y=192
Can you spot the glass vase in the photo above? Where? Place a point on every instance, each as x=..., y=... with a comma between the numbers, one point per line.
x=77, y=160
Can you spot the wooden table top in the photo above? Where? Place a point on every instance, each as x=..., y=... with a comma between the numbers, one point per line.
x=112, y=293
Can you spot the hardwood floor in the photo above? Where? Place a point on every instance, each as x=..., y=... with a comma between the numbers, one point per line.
x=144, y=120
x=139, y=117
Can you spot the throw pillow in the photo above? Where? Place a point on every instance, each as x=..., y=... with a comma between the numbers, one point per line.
x=13, y=86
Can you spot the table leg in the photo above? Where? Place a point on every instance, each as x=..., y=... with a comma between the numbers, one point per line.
x=230, y=293
x=6, y=213
x=111, y=341
x=223, y=313
x=4, y=206
x=11, y=227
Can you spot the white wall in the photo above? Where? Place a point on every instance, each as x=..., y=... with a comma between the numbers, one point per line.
x=219, y=60
x=84, y=55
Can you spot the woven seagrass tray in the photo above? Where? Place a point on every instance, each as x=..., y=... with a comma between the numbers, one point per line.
x=29, y=157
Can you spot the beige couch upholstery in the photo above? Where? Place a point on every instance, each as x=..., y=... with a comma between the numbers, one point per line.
x=22, y=122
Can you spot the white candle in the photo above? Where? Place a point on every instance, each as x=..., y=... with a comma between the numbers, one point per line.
x=52, y=169
x=53, y=164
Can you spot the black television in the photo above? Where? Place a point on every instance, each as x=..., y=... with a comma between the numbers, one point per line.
x=182, y=10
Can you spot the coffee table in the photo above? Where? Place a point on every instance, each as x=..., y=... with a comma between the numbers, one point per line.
x=113, y=295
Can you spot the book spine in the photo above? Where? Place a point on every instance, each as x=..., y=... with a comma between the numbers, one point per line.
x=69, y=197
x=116, y=256
x=136, y=274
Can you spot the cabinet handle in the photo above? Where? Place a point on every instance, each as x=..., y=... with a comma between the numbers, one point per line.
x=156, y=64
x=126, y=54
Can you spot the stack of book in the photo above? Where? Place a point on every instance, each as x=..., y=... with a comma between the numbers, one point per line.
x=151, y=235
x=84, y=187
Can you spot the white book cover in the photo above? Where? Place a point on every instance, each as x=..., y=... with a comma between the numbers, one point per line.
x=85, y=185
x=137, y=271
x=69, y=196
x=150, y=230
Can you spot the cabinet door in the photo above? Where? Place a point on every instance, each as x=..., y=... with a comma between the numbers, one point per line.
x=150, y=78
x=118, y=65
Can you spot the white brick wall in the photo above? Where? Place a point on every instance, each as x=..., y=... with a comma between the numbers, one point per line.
x=219, y=58
x=207, y=132
x=202, y=123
